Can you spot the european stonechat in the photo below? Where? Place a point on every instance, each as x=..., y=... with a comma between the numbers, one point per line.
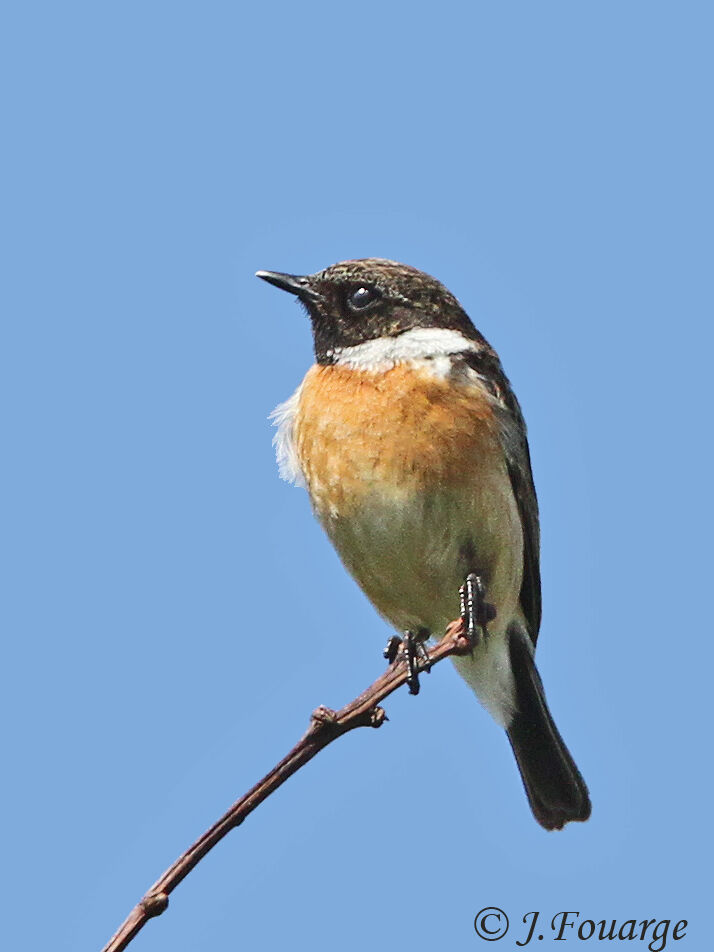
x=413, y=449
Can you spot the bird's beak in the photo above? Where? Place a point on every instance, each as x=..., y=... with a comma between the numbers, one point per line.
x=294, y=283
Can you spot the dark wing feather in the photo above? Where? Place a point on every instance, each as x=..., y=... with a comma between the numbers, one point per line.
x=515, y=445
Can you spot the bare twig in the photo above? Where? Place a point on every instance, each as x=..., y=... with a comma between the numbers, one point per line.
x=325, y=726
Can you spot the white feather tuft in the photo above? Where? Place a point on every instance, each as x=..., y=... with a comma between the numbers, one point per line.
x=283, y=417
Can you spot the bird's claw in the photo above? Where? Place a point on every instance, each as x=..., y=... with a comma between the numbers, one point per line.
x=391, y=649
x=415, y=651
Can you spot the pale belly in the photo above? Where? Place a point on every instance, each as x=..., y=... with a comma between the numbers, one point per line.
x=410, y=552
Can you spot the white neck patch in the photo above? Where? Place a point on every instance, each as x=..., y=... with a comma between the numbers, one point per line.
x=419, y=343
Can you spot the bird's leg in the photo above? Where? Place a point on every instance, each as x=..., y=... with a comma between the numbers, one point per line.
x=476, y=612
x=410, y=652
x=415, y=651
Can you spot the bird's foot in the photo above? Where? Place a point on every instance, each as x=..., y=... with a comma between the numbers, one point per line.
x=391, y=649
x=476, y=612
x=415, y=651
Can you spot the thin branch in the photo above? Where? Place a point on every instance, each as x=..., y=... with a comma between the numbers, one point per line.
x=325, y=726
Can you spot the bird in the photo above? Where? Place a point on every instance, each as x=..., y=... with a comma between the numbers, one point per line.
x=413, y=448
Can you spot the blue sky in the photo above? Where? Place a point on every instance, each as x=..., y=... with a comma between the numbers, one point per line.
x=551, y=163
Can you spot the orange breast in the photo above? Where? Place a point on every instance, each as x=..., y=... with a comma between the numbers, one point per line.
x=358, y=432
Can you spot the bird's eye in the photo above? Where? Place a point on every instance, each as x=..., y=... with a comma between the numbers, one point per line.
x=362, y=297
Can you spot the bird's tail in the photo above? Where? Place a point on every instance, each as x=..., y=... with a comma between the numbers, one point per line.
x=556, y=791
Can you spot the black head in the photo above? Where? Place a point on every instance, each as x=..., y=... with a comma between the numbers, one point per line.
x=356, y=301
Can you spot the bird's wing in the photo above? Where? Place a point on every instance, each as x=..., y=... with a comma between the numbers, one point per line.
x=515, y=446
